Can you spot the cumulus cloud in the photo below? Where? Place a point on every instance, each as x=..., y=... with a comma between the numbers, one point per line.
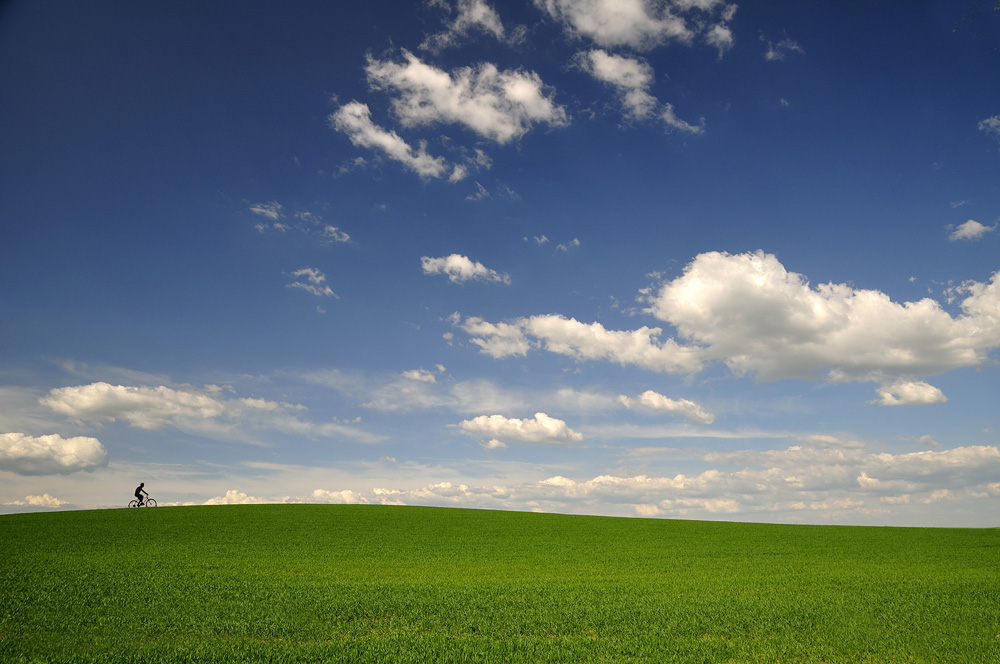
x=656, y=401
x=201, y=412
x=44, y=500
x=909, y=393
x=344, y=497
x=354, y=119
x=234, y=497
x=143, y=407
x=50, y=455
x=312, y=281
x=971, y=230
x=461, y=269
x=497, y=105
x=749, y=312
x=541, y=429
x=640, y=24
x=582, y=341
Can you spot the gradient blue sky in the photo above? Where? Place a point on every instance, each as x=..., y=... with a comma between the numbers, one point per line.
x=670, y=259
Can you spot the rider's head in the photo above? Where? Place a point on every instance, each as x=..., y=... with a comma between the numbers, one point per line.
x=142, y=484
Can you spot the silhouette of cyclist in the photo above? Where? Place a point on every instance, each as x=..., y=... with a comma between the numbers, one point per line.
x=139, y=491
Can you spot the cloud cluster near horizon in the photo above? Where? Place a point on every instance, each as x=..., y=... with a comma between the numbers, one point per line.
x=819, y=475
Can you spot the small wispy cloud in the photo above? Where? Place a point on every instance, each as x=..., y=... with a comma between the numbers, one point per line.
x=305, y=222
x=470, y=16
x=566, y=246
x=272, y=210
x=991, y=126
x=777, y=51
x=312, y=281
x=632, y=78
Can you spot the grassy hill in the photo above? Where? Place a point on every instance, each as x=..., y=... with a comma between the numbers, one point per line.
x=304, y=583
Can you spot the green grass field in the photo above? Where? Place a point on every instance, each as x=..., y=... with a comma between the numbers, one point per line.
x=309, y=583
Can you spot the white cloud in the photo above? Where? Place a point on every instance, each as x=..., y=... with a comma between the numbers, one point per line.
x=316, y=282
x=635, y=23
x=272, y=210
x=582, y=341
x=657, y=401
x=200, y=412
x=470, y=15
x=910, y=393
x=670, y=118
x=721, y=37
x=632, y=78
x=354, y=119
x=776, y=52
x=757, y=317
x=498, y=105
x=143, y=407
x=44, y=500
x=971, y=230
x=234, y=497
x=50, y=455
x=541, y=429
x=335, y=234
x=422, y=375
x=308, y=223
x=643, y=24
x=991, y=126
x=344, y=497
x=461, y=269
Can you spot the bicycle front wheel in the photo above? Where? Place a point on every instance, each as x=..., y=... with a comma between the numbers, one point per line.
x=150, y=502
x=133, y=503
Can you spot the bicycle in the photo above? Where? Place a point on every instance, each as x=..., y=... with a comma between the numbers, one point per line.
x=149, y=502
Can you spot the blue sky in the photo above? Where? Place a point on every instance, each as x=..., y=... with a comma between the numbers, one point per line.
x=677, y=259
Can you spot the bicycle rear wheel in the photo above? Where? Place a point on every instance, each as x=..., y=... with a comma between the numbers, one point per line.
x=150, y=502
x=133, y=503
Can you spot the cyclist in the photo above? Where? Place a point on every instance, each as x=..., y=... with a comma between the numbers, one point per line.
x=139, y=491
